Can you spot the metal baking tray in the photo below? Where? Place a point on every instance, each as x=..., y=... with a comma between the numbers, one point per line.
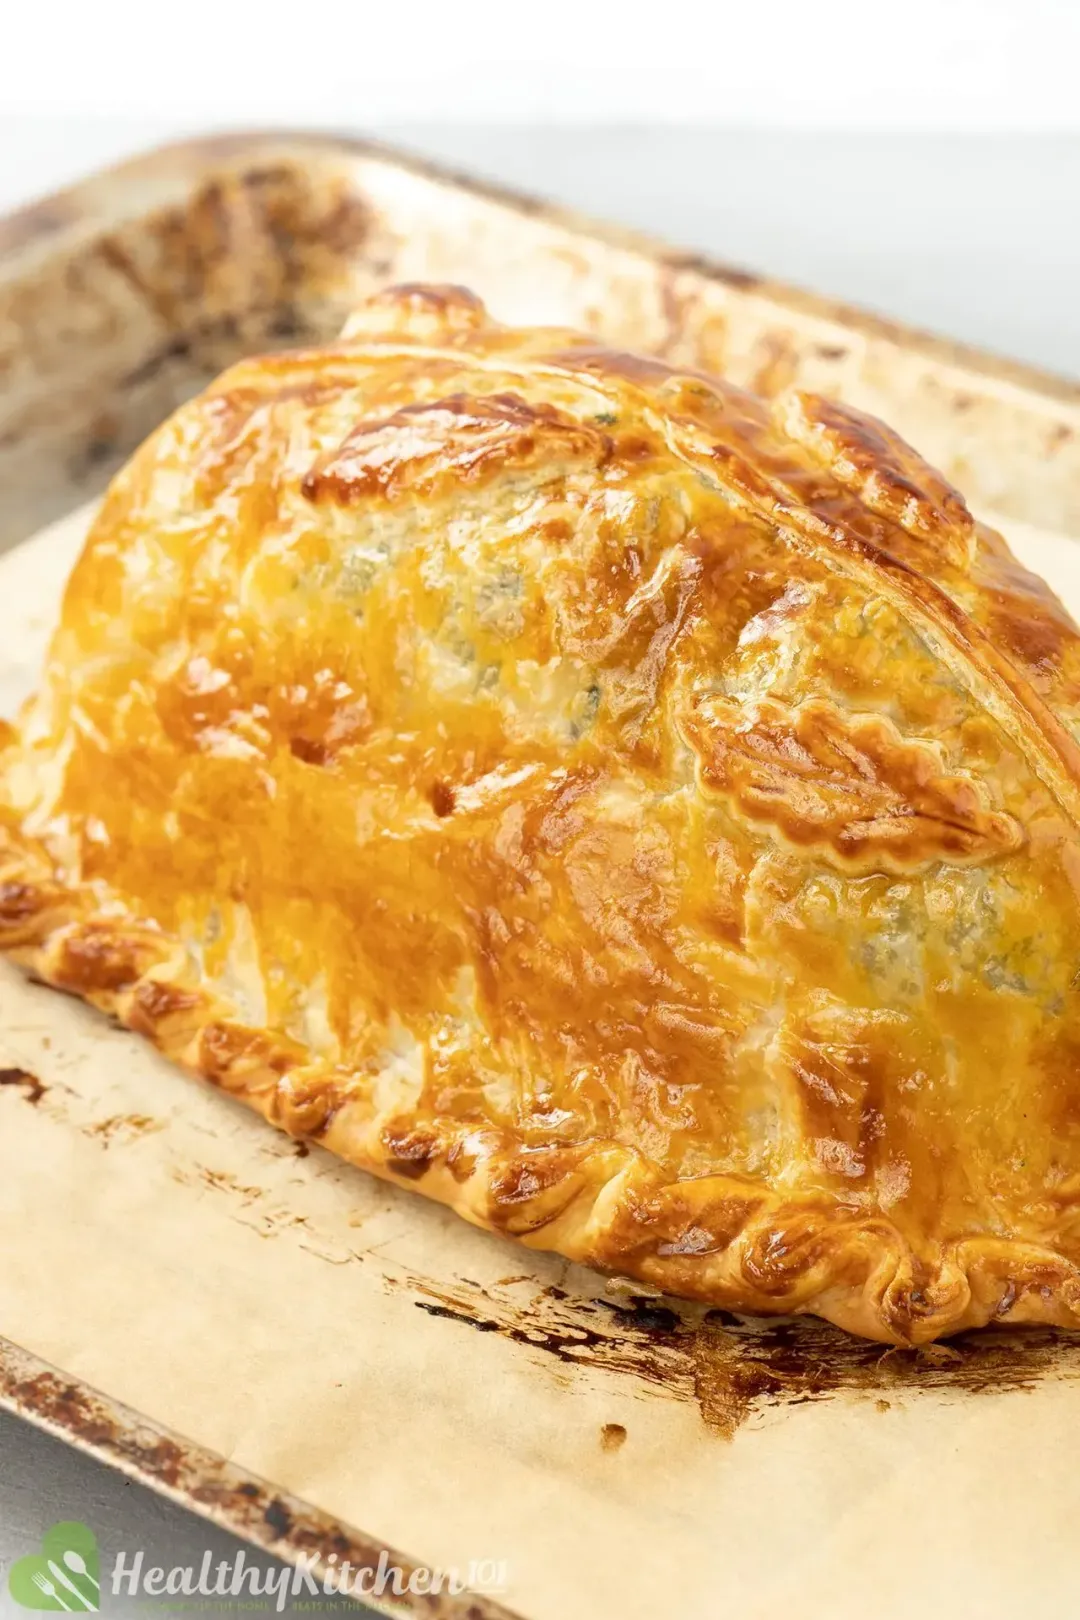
x=123, y=295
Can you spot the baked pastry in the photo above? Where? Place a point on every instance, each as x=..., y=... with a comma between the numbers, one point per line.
x=640, y=816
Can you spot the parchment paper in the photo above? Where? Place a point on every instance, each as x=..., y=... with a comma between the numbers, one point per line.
x=320, y=1328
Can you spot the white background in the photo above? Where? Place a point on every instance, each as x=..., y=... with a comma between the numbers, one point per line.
x=921, y=157
x=885, y=64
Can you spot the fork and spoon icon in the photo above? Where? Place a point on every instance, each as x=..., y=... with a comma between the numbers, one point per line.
x=76, y=1563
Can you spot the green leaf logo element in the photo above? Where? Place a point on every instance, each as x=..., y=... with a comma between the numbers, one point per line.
x=64, y=1576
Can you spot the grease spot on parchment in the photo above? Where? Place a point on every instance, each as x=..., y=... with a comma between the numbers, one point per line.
x=735, y=1369
x=612, y=1436
x=123, y=1128
x=29, y=1084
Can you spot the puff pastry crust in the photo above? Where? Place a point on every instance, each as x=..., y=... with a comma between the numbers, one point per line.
x=640, y=816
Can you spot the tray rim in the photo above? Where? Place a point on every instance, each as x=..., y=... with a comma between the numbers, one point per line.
x=213, y=1488
x=69, y=212
x=70, y=1409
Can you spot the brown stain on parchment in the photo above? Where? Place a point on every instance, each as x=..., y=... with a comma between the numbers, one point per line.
x=123, y=1128
x=114, y=1128
x=734, y=1369
x=29, y=1084
x=218, y=1181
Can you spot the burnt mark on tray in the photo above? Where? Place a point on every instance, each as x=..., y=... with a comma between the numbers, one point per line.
x=148, y=370
x=101, y=442
x=287, y=325
x=736, y=1368
x=278, y=1517
x=29, y=1084
x=729, y=275
x=775, y=363
x=209, y=1484
x=256, y=257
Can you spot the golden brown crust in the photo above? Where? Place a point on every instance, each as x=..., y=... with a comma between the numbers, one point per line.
x=846, y=786
x=639, y=816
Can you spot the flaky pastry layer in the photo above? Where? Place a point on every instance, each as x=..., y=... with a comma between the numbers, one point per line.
x=641, y=817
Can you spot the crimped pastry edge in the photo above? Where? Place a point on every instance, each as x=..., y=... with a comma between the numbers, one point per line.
x=720, y=1240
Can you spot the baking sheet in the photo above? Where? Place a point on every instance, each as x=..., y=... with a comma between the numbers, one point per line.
x=391, y=1376
x=462, y=1399
x=128, y=292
